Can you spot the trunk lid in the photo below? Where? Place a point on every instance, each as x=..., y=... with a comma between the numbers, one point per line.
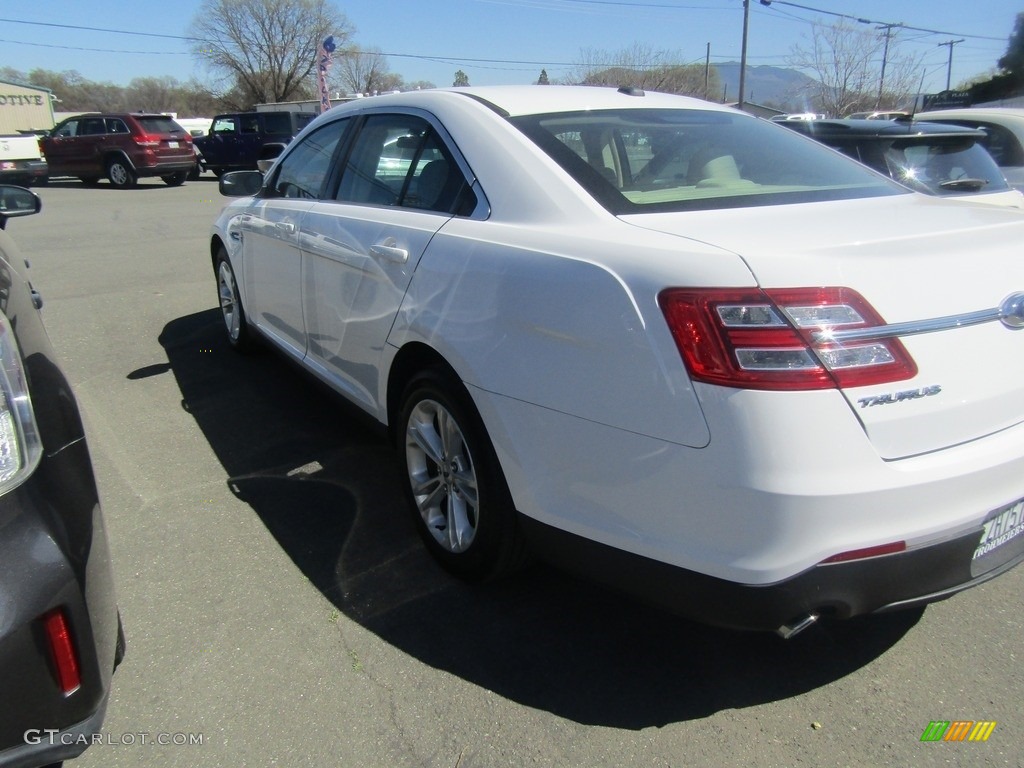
x=914, y=259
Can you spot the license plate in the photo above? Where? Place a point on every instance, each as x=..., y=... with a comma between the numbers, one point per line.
x=1002, y=538
x=172, y=144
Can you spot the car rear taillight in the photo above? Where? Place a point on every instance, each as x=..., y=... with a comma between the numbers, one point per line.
x=780, y=339
x=62, y=651
x=146, y=140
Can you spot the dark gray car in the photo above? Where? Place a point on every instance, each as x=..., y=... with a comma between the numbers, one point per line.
x=60, y=632
x=934, y=158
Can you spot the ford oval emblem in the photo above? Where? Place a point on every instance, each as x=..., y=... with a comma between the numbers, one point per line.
x=1011, y=311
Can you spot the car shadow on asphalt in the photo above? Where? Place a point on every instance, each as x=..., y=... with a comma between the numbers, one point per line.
x=325, y=483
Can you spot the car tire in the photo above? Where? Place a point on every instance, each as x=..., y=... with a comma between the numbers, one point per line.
x=460, y=500
x=175, y=179
x=120, y=173
x=235, y=323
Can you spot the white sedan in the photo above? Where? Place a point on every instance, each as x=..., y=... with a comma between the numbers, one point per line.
x=653, y=339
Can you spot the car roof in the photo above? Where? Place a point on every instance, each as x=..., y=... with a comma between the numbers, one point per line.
x=516, y=100
x=879, y=129
x=971, y=112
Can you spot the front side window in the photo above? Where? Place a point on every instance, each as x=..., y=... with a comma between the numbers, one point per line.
x=400, y=160
x=224, y=125
x=304, y=171
x=651, y=160
x=70, y=128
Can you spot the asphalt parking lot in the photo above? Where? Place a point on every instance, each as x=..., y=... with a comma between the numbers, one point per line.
x=280, y=610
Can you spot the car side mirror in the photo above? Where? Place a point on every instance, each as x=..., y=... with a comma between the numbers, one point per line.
x=17, y=201
x=241, y=183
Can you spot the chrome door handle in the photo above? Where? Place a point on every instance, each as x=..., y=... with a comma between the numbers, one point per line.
x=389, y=250
x=286, y=227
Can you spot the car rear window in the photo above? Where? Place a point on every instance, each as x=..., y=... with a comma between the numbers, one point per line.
x=655, y=160
x=159, y=124
x=944, y=166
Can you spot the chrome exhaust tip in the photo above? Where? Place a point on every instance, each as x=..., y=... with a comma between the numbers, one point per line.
x=786, y=631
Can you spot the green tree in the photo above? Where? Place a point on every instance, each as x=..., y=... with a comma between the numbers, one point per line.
x=543, y=79
x=365, y=71
x=265, y=50
x=640, y=66
x=1012, y=62
x=461, y=80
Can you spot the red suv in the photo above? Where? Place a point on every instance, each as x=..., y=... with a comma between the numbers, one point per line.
x=121, y=147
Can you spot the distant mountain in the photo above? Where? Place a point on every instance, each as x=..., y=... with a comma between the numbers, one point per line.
x=786, y=89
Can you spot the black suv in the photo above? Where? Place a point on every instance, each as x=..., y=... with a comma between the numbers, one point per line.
x=938, y=159
x=237, y=140
x=121, y=147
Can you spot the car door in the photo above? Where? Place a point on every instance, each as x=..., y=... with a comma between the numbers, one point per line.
x=61, y=149
x=400, y=183
x=270, y=238
x=222, y=145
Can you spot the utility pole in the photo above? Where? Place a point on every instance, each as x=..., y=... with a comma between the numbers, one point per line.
x=949, y=66
x=885, y=58
x=743, y=53
x=707, y=72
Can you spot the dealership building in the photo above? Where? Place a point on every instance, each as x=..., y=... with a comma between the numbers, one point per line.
x=25, y=108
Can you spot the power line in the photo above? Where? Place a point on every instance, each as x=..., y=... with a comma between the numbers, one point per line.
x=861, y=20
x=99, y=29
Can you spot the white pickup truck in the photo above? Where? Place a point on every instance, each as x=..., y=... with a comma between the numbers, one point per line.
x=22, y=161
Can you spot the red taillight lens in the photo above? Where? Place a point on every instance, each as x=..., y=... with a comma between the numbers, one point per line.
x=62, y=651
x=145, y=140
x=778, y=339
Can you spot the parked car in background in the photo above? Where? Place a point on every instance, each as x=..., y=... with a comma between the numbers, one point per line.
x=653, y=339
x=1004, y=135
x=60, y=634
x=121, y=147
x=935, y=158
x=22, y=161
x=877, y=115
x=237, y=141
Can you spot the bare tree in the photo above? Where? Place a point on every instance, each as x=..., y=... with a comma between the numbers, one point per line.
x=365, y=71
x=856, y=69
x=641, y=66
x=266, y=50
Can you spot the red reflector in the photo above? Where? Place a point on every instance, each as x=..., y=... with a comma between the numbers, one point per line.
x=861, y=554
x=62, y=650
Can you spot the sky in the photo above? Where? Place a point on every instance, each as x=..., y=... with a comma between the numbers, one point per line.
x=509, y=41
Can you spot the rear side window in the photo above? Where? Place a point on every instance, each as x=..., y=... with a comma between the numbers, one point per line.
x=277, y=125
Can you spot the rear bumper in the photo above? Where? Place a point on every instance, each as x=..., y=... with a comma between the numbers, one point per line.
x=54, y=556
x=23, y=170
x=839, y=590
x=157, y=167
x=46, y=746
